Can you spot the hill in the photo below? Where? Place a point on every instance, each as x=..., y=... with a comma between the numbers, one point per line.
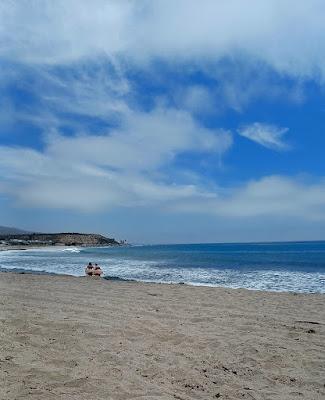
x=6, y=230
x=56, y=239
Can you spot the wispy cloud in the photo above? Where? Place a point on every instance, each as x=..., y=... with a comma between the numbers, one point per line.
x=34, y=32
x=270, y=136
x=270, y=196
x=121, y=168
x=102, y=149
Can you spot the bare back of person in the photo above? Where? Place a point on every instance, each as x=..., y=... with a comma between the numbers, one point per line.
x=97, y=271
x=89, y=269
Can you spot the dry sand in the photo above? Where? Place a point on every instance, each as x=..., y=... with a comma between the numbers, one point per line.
x=85, y=338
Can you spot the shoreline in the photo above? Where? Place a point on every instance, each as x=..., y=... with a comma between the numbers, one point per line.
x=128, y=267
x=73, y=337
x=118, y=279
x=32, y=247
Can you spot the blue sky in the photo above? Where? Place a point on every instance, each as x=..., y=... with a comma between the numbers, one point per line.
x=164, y=121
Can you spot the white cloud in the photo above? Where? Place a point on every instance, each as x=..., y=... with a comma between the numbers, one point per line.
x=269, y=136
x=198, y=99
x=271, y=196
x=83, y=175
x=97, y=89
x=285, y=34
x=278, y=196
x=121, y=168
x=144, y=141
x=78, y=50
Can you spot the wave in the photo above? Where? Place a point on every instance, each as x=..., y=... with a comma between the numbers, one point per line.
x=174, y=267
x=71, y=250
x=268, y=282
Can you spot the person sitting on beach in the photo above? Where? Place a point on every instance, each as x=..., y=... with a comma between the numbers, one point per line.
x=89, y=269
x=97, y=270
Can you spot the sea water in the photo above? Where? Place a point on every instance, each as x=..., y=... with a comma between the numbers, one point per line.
x=291, y=266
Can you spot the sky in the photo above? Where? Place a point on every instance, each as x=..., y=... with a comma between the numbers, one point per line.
x=165, y=121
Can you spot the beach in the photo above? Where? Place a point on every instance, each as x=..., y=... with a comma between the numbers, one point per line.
x=64, y=337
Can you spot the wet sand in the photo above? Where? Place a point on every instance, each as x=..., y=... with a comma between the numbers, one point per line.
x=63, y=337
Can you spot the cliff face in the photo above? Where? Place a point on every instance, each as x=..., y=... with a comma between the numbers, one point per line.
x=59, y=239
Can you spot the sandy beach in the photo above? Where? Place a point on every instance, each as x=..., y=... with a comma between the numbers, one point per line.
x=63, y=337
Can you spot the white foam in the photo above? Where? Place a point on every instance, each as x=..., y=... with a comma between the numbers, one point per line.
x=71, y=261
x=72, y=250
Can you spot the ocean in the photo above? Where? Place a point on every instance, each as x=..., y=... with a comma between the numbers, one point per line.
x=286, y=266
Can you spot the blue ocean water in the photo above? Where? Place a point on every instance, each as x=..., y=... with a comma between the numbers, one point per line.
x=290, y=266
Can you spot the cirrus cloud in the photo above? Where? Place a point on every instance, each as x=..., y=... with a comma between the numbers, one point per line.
x=92, y=77
x=270, y=136
x=124, y=167
x=180, y=30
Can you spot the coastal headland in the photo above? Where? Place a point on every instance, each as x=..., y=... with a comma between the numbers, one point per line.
x=28, y=240
x=63, y=337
